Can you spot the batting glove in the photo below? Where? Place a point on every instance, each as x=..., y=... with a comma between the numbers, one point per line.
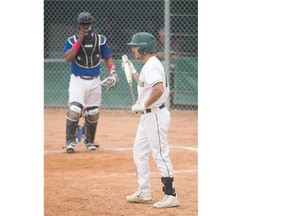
x=136, y=108
x=131, y=66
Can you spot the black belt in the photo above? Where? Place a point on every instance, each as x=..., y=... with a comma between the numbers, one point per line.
x=149, y=110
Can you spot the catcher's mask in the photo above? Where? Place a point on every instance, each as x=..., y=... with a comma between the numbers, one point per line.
x=146, y=41
x=85, y=20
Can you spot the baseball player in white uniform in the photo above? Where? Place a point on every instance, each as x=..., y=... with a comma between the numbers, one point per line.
x=153, y=92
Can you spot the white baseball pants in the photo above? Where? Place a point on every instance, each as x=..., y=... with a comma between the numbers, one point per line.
x=151, y=136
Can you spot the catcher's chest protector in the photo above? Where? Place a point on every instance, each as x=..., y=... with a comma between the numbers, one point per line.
x=88, y=54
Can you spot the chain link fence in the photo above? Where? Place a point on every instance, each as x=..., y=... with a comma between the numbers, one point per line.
x=173, y=22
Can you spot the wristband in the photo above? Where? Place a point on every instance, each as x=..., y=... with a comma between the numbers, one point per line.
x=111, y=67
x=76, y=45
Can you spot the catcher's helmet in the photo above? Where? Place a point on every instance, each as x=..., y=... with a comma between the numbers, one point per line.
x=85, y=18
x=146, y=41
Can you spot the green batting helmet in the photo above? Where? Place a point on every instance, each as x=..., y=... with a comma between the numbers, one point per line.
x=146, y=41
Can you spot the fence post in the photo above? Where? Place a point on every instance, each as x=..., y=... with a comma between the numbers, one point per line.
x=167, y=44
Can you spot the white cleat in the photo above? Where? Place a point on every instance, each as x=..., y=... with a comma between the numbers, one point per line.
x=91, y=146
x=167, y=202
x=139, y=197
x=70, y=147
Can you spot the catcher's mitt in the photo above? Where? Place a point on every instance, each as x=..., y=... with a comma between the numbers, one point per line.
x=110, y=81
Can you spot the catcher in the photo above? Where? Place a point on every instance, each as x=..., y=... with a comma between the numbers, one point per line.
x=84, y=52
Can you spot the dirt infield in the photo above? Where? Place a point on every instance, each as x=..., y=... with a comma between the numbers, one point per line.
x=96, y=183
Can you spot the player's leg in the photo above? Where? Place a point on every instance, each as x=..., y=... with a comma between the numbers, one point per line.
x=91, y=121
x=92, y=112
x=72, y=119
x=157, y=137
x=156, y=127
x=170, y=199
x=141, y=152
x=76, y=104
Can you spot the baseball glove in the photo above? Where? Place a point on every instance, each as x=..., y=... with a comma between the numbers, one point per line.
x=110, y=81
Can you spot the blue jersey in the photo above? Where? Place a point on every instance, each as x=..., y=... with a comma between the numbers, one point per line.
x=88, y=68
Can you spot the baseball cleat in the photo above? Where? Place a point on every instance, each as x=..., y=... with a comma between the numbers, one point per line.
x=70, y=147
x=139, y=197
x=91, y=146
x=167, y=202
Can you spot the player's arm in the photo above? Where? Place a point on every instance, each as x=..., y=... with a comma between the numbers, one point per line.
x=112, y=79
x=110, y=64
x=156, y=93
x=72, y=52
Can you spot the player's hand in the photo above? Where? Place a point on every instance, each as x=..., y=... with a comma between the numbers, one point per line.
x=131, y=66
x=81, y=34
x=136, y=108
x=114, y=74
x=111, y=81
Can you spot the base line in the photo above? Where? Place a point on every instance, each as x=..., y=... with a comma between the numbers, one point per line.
x=123, y=149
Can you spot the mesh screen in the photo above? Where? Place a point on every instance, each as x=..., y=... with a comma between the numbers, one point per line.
x=118, y=20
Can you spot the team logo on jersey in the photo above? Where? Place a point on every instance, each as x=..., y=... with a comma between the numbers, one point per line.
x=141, y=83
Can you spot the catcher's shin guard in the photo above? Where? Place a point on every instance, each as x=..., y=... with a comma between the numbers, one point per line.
x=91, y=121
x=168, y=188
x=71, y=128
x=72, y=120
x=90, y=132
